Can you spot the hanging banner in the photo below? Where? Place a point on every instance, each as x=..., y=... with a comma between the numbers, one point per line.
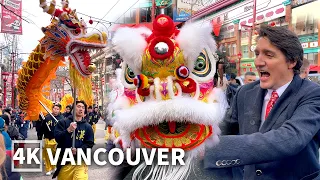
x=11, y=22
x=217, y=22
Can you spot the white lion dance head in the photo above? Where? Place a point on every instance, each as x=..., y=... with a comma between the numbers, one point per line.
x=169, y=100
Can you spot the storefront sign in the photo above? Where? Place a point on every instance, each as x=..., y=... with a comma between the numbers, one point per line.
x=185, y=8
x=313, y=44
x=309, y=45
x=304, y=45
x=295, y=3
x=245, y=10
x=265, y=16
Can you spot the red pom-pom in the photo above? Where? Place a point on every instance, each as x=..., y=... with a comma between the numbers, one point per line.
x=78, y=30
x=90, y=21
x=163, y=26
x=272, y=24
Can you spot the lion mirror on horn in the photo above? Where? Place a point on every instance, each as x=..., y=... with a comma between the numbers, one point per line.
x=169, y=98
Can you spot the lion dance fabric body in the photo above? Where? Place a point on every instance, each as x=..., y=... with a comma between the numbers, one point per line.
x=65, y=36
x=169, y=100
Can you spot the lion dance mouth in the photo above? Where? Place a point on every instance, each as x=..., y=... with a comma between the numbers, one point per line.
x=168, y=100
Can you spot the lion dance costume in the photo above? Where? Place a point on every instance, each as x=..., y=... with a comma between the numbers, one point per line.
x=169, y=100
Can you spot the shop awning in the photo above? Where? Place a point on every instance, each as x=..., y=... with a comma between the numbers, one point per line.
x=314, y=68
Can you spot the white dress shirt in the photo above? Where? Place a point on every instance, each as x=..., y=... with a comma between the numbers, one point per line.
x=267, y=97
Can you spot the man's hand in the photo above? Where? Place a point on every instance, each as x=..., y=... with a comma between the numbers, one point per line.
x=72, y=127
x=221, y=82
x=74, y=151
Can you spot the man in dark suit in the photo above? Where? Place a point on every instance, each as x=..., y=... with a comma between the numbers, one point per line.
x=277, y=118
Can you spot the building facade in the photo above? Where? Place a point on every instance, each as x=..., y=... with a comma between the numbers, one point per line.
x=238, y=40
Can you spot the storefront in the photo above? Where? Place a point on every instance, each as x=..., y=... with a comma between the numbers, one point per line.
x=247, y=65
x=235, y=37
x=305, y=22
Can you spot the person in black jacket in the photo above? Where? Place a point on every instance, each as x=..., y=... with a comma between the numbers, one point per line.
x=48, y=125
x=93, y=118
x=67, y=113
x=83, y=139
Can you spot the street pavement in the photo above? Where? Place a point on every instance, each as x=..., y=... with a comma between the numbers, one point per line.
x=95, y=171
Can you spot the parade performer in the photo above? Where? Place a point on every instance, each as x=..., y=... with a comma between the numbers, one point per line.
x=65, y=36
x=48, y=125
x=169, y=100
x=84, y=139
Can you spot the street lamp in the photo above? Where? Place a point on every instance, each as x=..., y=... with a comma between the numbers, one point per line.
x=5, y=76
x=239, y=60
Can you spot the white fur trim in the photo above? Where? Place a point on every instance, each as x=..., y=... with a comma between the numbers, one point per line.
x=192, y=39
x=130, y=44
x=178, y=109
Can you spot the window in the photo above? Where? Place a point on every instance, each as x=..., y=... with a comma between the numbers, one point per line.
x=244, y=34
x=312, y=57
x=234, y=49
x=245, y=51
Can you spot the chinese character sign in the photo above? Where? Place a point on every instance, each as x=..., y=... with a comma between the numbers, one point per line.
x=10, y=22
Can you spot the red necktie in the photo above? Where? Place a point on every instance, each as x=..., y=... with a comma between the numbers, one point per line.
x=272, y=101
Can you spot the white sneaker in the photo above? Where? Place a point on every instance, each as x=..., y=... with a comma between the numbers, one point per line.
x=48, y=173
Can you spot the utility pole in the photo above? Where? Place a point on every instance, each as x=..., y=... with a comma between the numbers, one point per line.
x=12, y=72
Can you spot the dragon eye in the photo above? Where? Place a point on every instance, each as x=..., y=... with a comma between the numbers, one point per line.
x=129, y=75
x=202, y=66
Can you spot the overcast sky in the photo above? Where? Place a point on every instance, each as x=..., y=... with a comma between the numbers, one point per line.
x=95, y=8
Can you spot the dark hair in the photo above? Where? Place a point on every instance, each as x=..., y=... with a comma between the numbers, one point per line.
x=57, y=104
x=7, y=110
x=90, y=107
x=69, y=106
x=249, y=73
x=286, y=41
x=6, y=119
x=233, y=76
x=85, y=105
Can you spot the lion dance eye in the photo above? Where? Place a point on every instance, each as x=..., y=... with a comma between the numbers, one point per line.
x=129, y=75
x=202, y=66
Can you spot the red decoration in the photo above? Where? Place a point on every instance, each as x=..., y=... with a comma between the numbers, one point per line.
x=163, y=26
x=188, y=85
x=90, y=21
x=144, y=92
x=155, y=41
x=78, y=30
x=272, y=23
x=217, y=24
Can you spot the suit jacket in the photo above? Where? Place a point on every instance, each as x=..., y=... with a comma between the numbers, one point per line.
x=285, y=147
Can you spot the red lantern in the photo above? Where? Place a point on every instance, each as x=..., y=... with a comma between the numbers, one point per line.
x=90, y=21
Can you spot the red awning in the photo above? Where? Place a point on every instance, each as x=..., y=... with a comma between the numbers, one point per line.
x=314, y=68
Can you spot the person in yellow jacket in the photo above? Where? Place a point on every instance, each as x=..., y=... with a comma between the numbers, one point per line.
x=48, y=125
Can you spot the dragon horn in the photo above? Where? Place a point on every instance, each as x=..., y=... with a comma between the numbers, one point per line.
x=48, y=9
